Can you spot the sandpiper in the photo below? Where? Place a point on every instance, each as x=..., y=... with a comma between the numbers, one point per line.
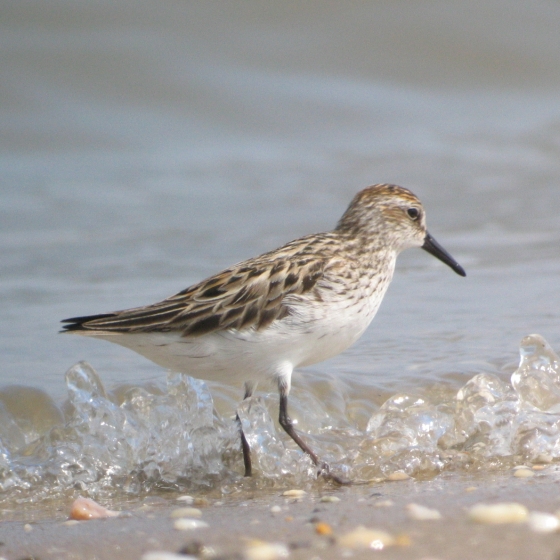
x=292, y=307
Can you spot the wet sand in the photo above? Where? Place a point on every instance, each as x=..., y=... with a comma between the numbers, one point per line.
x=233, y=523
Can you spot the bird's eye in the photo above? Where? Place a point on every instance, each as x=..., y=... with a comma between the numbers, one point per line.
x=413, y=213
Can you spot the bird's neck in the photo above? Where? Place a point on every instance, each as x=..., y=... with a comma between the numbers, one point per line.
x=373, y=251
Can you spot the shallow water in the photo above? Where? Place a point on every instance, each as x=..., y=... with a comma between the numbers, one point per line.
x=142, y=150
x=172, y=437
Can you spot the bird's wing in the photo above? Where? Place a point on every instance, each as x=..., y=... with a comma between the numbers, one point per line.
x=250, y=294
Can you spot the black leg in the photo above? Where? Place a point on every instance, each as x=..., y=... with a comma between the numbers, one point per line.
x=244, y=443
x=286, y=423
x=246, y=453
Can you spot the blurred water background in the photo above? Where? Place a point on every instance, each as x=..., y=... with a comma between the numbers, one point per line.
x=146, y=145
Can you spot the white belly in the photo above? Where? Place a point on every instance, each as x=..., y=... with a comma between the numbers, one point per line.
x=313, y=331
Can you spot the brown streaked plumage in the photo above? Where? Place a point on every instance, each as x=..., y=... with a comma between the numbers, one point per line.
x=248, y=295
x=291, y=307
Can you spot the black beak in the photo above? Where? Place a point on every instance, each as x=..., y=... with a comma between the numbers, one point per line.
x=434, y=248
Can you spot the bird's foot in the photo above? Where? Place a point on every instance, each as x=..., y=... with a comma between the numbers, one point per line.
x=325, y=472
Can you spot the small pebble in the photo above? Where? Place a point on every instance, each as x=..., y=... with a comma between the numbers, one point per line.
x=543, y=522
x=384, y=503
x=85, y=508
x=422, y=513
x=162, y=555
x=295, y=493
x=524, y=473
x=544, y=458
x=539, y=467
x=187, y=499
x=361, y=537
x=194, y=548
x=185, y=524
x=398, y=475
x=403, y=540
x=260, y=550
x=470, y=489
x=275, y=509
x=27, y=528
x=323, y=528
x=498, y=513
x=193, y=513
x=70, y=522
x=377, y=480
x=330, y=499
x=201, y=502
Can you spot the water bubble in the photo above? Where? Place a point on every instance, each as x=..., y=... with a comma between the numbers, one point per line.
x=268, y=452
x=11, y=434
x=408, y=421
x=168, y=434
x=82, y=382
x=537, y=380
x=403, y=435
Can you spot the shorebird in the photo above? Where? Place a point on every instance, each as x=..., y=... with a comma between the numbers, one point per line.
x=291, y=307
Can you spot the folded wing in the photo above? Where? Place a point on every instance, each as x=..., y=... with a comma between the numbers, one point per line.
x=249, y=295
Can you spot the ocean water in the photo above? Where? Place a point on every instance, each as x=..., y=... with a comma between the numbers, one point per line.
x=146, y=146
